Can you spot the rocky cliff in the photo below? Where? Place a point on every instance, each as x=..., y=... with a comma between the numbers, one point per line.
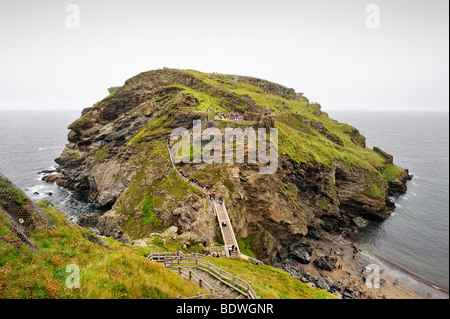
x=327, y=179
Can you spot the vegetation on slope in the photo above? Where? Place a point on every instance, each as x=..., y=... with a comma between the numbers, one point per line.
x=116, y=271
x=270, y=282
x=324, y=161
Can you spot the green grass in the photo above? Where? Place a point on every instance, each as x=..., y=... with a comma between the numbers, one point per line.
x=392, y=172
x=206, y=101
x=153, y=127
x=245, y=246
x=74, y=156
x=9, y=191
x=310, y=150
x=150, y=218
x=261, y=98
x=101, y=154
x=120, y=271
x=373, y=190
x=149, y=197
x=270, y=282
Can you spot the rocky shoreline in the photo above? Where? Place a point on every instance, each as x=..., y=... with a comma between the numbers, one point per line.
x=341, y=267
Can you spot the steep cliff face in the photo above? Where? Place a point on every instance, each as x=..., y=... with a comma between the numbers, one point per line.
x=327, y=180
x=23, y=215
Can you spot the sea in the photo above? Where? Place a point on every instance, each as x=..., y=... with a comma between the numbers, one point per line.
x=30, y=141
x=413, y=243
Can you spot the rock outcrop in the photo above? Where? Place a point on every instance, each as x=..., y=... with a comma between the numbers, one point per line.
x=389, y=159
x=326, y=177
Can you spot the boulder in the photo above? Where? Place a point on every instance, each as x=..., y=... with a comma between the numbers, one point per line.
x=337, y=295
x=360, y=222
x=329, y=281
x=311, y=284
x=346, y=295
x=349, y=289
x=140, y=242
x=301, y=255
x=322, y=284
x=190, y=239
x=326, y=263
x=170, y=233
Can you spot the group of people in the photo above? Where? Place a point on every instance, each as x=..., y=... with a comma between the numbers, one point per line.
x=196, y=182
x=227, y=116
x=231, y=116
x=231, y=249
x=179, y=253
x=205, y=187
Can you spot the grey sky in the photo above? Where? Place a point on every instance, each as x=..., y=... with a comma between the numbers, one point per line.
x=322, y=48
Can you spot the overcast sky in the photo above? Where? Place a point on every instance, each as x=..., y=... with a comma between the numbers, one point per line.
x=323, y=48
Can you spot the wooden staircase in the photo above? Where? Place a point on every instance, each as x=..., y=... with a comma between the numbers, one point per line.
x=229, y=239
x=219, y=283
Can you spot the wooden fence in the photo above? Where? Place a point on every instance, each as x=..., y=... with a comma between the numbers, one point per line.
x=183, y=264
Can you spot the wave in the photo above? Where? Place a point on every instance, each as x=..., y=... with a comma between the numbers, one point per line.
x=67, y=198
x=45, y=148
x=37, y=192
x=35, y=188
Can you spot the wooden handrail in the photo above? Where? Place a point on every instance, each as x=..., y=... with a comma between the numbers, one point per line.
x=231, y=228
x=225, y=277
x=191, y=275
x=184, y=262
x=227, y=254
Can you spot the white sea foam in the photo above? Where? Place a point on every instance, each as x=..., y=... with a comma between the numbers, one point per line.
x=66, y=199
x=44, y=148
x=36, y=188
